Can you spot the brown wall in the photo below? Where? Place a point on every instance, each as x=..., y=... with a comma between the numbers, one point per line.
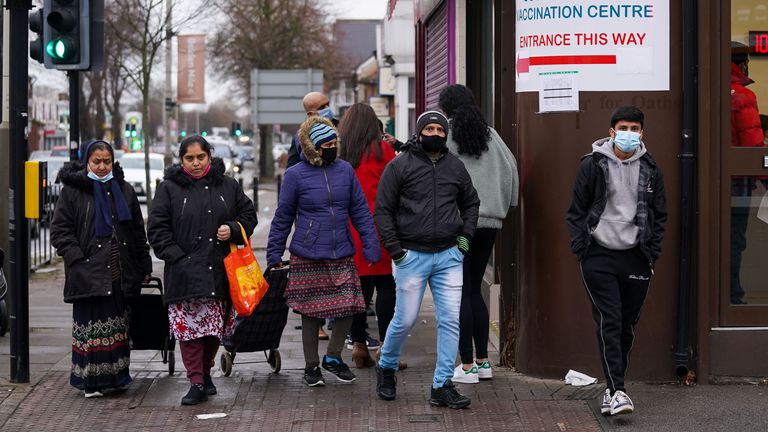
x=555, y=330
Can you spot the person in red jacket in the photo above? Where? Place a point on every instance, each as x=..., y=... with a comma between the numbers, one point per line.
x=366, y=151
x=745, y=132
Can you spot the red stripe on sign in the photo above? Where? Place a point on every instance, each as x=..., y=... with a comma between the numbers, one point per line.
x=574, y=59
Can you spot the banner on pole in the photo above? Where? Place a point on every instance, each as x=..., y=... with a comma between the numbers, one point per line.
x=191, y=70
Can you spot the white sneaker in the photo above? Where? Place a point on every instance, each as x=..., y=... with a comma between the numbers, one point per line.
x=484, y=370
x=93, y=394
x=605, y=406
x=621, y=403
x=465, y=377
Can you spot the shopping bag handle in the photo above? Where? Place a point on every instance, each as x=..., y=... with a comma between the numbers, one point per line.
x=233, y=246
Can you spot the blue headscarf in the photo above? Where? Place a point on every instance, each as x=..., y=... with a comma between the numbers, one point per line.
x=101, y=199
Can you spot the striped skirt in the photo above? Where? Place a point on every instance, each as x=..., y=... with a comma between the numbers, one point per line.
x=324, y=288
x=100, y=352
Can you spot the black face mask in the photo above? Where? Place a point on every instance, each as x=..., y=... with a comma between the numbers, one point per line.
x=328, y=155
x=433, y=143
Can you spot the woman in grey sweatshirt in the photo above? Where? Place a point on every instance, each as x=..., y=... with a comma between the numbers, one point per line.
x=493, y=170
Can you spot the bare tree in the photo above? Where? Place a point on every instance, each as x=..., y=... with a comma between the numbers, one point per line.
x=273, y=34
x=141, y=24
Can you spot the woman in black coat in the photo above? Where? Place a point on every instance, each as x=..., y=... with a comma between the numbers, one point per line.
x=196, y=212
x=99, y=230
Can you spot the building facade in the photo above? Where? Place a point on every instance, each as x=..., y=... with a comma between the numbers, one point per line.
x=717, y=230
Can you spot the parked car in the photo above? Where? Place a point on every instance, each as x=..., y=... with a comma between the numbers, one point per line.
x=222, y=150
x=60, y=151
x=39, y=155
x=244, y=152
x=135, y=174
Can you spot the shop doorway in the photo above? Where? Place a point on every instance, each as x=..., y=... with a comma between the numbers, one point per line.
x=743, y=296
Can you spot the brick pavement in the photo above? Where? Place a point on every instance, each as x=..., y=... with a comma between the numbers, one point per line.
x=254, y=399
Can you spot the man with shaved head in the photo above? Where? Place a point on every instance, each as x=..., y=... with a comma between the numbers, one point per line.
x=315, y=103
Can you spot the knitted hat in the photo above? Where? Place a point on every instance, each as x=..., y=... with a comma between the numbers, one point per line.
x=431, y=117
x=321, y=133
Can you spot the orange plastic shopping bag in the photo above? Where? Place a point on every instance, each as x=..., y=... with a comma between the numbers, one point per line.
x=247, y=285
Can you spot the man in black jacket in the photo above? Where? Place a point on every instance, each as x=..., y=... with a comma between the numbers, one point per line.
x=616, y=220
x=426, y=213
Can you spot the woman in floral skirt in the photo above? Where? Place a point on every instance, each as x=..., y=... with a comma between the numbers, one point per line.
x=196, y=212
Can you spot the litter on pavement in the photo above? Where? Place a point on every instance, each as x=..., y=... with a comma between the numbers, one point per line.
x=575, y=378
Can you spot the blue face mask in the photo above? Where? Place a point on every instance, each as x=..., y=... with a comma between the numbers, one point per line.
x=627, y=141
x=106, y=178
x=326, y=112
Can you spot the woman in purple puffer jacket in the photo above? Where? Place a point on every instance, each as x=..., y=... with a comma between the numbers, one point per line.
x=321, y=195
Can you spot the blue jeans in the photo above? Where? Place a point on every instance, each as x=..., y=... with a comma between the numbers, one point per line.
x=444, y=272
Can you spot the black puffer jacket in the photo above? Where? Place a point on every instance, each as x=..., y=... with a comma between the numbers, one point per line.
x=424, y=205
x=185, y=216
x=590, y=196
x=86, y=257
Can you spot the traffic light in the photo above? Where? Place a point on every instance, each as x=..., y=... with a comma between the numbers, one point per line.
x=72, y=34
x=183, y=133
x=134, y=132
x=235, y=130
x=127, y=132
x=204, y=133
x=36, y=25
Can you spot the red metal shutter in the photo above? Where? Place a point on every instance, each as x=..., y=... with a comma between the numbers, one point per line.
x=437, y=55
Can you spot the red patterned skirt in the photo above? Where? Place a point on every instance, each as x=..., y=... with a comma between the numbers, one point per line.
x=324, y=288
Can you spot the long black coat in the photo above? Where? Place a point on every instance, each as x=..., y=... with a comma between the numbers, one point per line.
x=87, y=257
x=182, y=229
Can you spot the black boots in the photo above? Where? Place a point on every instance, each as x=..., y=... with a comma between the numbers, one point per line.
x=195, y=395
x=210, y=389
x=386, y=383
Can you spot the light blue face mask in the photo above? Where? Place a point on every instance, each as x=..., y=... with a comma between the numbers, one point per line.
x=326, y=112
x=106, y=178
x=627, y=141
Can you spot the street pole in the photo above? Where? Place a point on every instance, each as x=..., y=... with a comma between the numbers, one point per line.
x=168, y=94
x=19, y=263
x=74, y=114
x=5, y=146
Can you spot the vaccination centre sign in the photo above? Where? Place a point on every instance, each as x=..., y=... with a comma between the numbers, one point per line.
x=566, y=46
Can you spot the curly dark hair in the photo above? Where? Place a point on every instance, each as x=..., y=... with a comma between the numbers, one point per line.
x=468, y=127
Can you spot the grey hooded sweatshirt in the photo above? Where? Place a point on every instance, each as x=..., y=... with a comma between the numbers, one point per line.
x=616, y=229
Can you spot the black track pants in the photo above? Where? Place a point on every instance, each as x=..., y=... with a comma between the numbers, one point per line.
x=617, y=284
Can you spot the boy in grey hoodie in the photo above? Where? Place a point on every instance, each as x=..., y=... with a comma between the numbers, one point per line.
x=616, y=221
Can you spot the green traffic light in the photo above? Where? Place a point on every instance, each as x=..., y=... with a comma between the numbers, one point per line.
x=204, y=133
x=49, y=49
x=183, y=133
x=127, y=133
x=60, y=49
x=238, y=132
x=134, y=133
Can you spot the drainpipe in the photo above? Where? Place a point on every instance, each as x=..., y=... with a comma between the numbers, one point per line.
x=688, y=165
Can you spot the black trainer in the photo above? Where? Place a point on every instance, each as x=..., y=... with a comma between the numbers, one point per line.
x=210, y=389
x=338, y=368
x=448, y=396
x=195, y=395
x=386, y=383
x=313, y=377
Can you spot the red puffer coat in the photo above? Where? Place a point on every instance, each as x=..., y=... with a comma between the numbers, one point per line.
x=745, y=118
x=368, y=174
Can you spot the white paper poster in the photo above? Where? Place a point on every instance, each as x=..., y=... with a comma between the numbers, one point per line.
x=614, y=45
x=558, y=92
